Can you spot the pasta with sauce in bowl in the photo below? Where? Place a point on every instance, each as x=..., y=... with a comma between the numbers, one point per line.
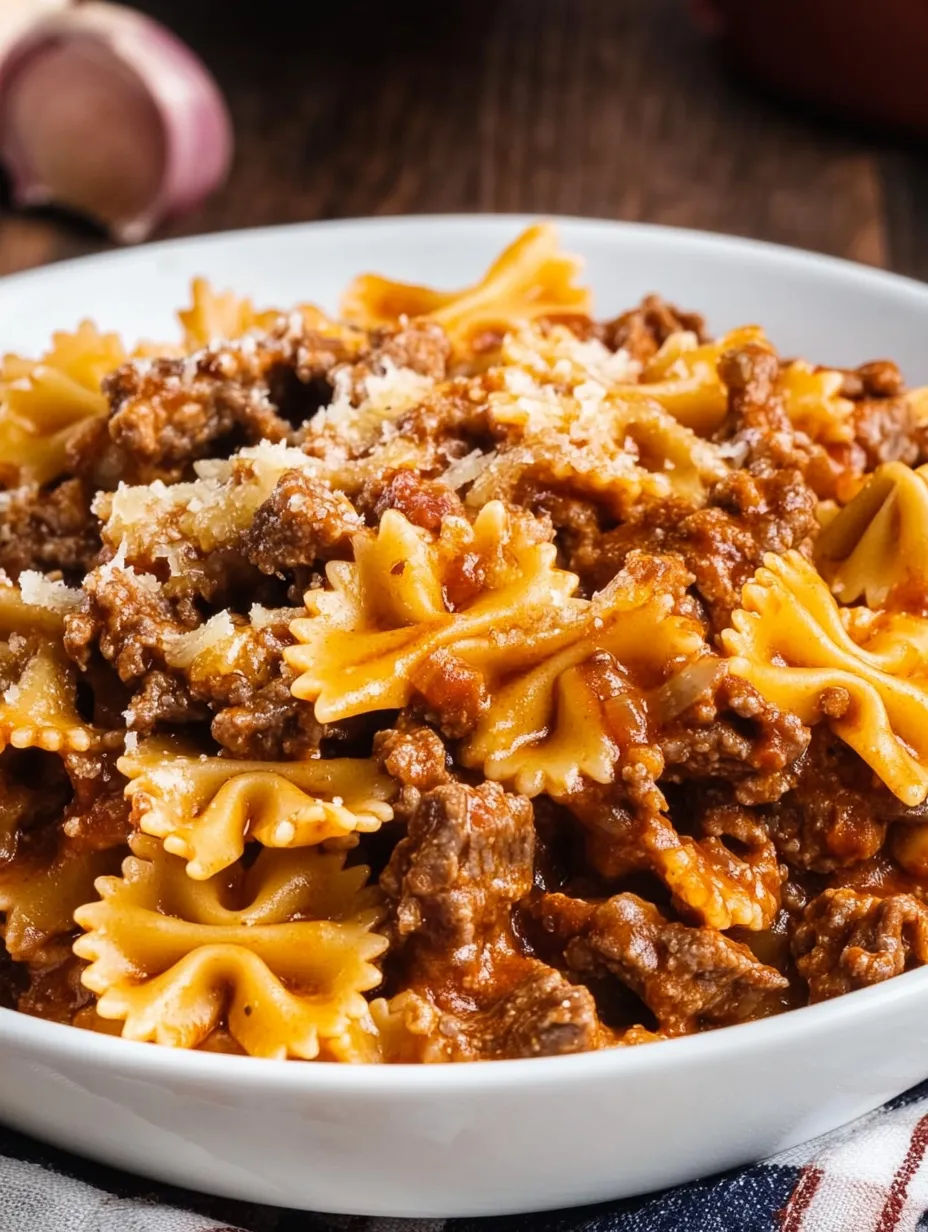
x=460, y=678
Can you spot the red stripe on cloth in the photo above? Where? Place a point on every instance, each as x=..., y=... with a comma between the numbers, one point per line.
x=792, y=1214
x=895, y=1199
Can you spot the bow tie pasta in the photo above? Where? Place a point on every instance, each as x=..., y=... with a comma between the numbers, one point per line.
x=539, y=719
x=386, y=619
x=38, y=686
x=876, y=547
x=44, y=402
x=531, y=278
x=790, y=642
x=282, y=953
x=204, y=808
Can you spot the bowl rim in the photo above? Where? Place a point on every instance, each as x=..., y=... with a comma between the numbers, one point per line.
x=686, y=238
x=42, y=1037
x=151, y=1061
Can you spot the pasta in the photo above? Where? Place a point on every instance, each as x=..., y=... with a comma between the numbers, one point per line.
x=790, y=642
x=286, y=969
x=205, y=808
x=43, y=402
x=463, y=678
x=530, y=279
x=683, y=377
x=547, y=729
x=37, y=684
x=385, y=619
x=876, y=545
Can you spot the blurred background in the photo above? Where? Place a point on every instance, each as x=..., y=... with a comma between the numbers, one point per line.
x=798, y=121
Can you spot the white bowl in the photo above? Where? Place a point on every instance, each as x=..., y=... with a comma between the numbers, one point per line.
x=493, y=1137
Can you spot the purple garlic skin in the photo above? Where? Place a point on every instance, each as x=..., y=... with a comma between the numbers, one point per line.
x=105, y=112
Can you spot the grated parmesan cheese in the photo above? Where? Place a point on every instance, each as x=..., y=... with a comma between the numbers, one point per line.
x=466, y=470
x=264, y=617
x=181, y=649
x=40, y=591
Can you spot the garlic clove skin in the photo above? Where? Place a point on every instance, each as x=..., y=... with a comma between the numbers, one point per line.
x=17, y=15
x=105, y=112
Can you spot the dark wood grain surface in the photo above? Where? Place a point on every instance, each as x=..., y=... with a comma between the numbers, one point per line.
x=611, y=108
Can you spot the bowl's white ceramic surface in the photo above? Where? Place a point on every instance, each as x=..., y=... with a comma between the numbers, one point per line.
x=502, y=1136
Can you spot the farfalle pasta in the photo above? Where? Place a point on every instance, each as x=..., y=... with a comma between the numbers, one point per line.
x=550, y=726
x=790, y=642
x=285, y=967
x=38, y=685
x=561, y=424
x=43, y=401
x=386, y=618
x=876, y=547
x=532, y=278
x=204, y=809
x=463, y=677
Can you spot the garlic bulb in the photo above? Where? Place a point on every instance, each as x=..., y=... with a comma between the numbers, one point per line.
x=105, y=112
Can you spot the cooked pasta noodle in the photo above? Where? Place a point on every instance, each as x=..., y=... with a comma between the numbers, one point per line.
x=286, y=969
x=878, y=544
x=43, y=401
x=790, y=642
x=204, y=808
x=532, y=278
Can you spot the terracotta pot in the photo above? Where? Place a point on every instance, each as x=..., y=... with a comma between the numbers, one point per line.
x=867, y=58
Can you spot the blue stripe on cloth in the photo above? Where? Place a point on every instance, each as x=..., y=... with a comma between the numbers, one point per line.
x=744, y=1201
x=907, y=1097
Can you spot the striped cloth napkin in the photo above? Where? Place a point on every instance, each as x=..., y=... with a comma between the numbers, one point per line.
x=871, y=1176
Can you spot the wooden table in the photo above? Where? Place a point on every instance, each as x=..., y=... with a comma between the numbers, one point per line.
x=614, y=108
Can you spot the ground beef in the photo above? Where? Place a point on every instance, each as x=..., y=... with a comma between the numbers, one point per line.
x=730, y=732
x=450, y=422
x=301, y=523
x=414, y=755
x=97, y=817
x=166, y=413
x=883, y=420
x=832, y=816
x=885, y=430
x=467, y=857
x=421, y=346
x=162, y=700
x=644, y=330
x=452, y=692
x=544, y=1015
x=271, y=725
x=688, y=977
x=248, y=698
x=880, y=378
x=765, y=506
x=164, y=416
x=129, y=624
x=130, y=620
x=847, y=939
x=618, y=818
x=48, y=529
